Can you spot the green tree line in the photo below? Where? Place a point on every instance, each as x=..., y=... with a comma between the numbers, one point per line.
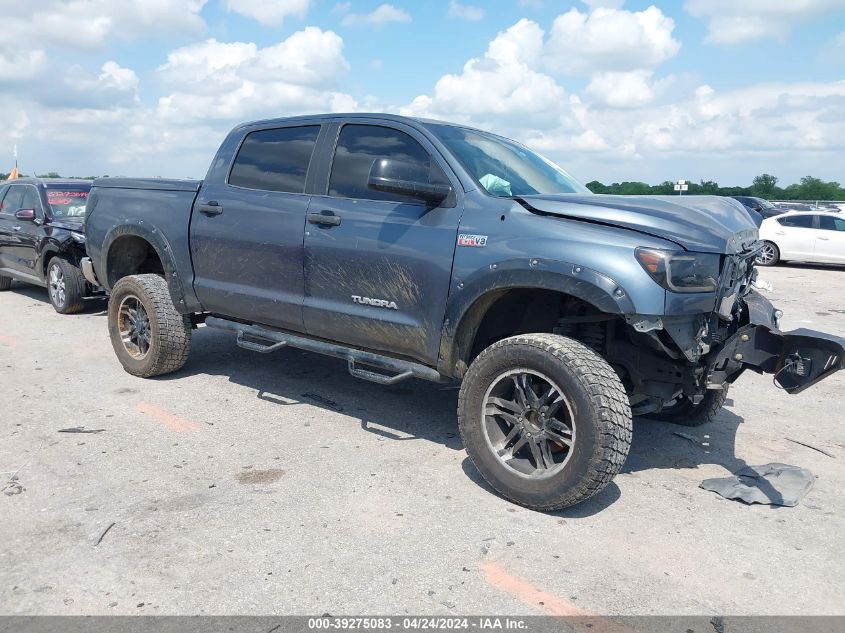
x=763, y=186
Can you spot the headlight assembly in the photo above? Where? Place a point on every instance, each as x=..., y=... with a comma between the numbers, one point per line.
x=681, y=271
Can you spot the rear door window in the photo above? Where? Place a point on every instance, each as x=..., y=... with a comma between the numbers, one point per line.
x=799, y=221
x=829, y=223
x=275, y=160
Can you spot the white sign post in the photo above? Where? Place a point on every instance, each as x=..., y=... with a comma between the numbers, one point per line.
x=681, y=186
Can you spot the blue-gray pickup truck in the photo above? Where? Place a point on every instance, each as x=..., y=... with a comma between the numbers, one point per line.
x=415, y=248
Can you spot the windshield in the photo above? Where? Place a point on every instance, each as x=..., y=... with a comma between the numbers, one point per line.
x=68, y=201
x=765, y=203
x=504, y=168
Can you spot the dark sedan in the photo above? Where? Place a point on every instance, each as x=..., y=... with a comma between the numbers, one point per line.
x=759, y=205
x=42, y=238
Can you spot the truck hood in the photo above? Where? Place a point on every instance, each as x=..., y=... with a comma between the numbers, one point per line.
x=707, y=224
x=75, y=224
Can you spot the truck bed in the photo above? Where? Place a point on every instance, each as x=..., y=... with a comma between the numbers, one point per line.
x=157, y=209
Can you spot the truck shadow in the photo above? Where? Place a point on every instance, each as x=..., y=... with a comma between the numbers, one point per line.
x=421, y=411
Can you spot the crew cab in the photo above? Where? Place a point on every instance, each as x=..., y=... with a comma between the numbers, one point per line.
x=414, y=248
x=42, y=239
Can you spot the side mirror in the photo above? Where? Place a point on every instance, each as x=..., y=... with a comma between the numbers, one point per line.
x=25, y=214
x=406, y=179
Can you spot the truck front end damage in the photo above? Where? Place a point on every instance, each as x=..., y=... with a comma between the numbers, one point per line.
x=664, y=360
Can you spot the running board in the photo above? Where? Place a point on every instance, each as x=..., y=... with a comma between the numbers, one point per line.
x=265, y=340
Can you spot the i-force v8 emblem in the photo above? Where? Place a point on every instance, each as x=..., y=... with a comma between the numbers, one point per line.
x=478, y=241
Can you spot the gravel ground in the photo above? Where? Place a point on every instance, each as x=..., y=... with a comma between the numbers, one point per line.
x=251, y=484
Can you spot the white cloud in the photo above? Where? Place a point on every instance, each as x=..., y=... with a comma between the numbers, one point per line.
x=269, y=12
x=610, y=40
x=499, y=84
x=228, y=81
x=622, y=89
x=732, y=22
x=382, y=14
x=465, y=11
x=21, y=65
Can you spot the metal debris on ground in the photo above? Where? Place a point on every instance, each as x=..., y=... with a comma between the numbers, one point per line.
x=815, y=448
x=772, y=484
x=80, y=429
x=103, y=534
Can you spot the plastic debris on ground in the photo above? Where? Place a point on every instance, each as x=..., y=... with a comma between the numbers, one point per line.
x=772, y=484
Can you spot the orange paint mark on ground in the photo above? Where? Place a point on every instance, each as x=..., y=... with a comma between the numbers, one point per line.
x=579, y=619
x=9, y=341
x=524, y=591
x=172, y=422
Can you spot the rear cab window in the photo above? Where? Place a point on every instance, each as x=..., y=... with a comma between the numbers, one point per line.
x=360, y=145
x=275, y=160
x=68, y=201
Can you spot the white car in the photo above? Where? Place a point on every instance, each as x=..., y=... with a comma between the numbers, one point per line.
x=804, y=236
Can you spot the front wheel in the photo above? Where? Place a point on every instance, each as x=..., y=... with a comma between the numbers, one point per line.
x=545, y=420
x=769, y=255
x=148, y=335
x=65, y=286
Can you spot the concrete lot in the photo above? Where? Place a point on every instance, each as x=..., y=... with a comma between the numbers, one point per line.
x=278, y=484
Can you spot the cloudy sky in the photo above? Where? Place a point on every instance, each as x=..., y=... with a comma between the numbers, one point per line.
x=612, y=90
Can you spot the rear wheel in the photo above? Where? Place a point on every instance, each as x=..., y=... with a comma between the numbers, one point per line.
x=545, y=420
x=769, y=255
x=5, y=283
x=148, y=335
x=685, y=413
x=65, y=286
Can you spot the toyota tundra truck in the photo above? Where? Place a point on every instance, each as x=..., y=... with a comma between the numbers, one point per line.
x=420, y=249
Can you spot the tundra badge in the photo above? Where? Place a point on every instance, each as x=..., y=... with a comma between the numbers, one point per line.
x=378, y=303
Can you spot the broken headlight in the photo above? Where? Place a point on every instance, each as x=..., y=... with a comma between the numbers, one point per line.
x=681, y=272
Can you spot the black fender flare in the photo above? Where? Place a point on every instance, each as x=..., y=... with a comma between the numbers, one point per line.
x=471, y=298
x=159, y=243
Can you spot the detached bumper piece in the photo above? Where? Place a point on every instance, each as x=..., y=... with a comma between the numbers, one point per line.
x=798, y=359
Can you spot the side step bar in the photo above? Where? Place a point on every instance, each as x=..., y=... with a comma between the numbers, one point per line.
x=264, y=341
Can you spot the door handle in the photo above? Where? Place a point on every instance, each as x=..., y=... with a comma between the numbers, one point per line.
x=824, y=238
x=779, y=233
x=326, y=218
x=212, y=207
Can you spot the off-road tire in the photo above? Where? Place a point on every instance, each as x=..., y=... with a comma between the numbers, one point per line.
x=686, y=413
x=74, y=286
x=775, y=253
x=170, y=340
x=5, y=283
x=601, y=413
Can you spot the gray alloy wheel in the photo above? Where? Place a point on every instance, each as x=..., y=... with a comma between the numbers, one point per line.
x=56, y=285
x=133, y=324
x=528, y=423
x=768, y=255
x=65, y=286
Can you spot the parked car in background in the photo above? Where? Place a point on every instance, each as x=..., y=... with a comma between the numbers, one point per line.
x=807, y=237
x=760, y=206
x=42, y=238
x=794, y=206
